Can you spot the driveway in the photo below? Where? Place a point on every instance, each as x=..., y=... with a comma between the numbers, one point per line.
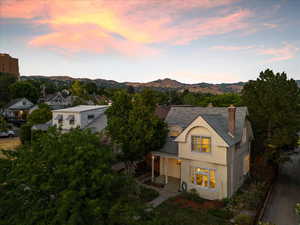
x=286, y=193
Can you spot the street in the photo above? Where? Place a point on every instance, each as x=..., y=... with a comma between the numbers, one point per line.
x=286, y=193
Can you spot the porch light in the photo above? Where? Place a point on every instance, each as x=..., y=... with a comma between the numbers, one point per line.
x=153, y=157
x=178, y=162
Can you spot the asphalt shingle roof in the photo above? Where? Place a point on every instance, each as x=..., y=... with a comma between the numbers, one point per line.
x=216, y=117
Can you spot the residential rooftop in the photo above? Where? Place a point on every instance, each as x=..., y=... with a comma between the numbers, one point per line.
x=81, y=108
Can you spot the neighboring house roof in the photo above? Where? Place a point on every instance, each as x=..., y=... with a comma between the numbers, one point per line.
x=162, y=111
x=81, y=108
x=12, y=103
x=57, y=99
x=43, y=126
x=216, y=117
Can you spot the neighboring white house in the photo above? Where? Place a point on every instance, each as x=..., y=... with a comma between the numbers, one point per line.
x=208, y=149
x=82, y=116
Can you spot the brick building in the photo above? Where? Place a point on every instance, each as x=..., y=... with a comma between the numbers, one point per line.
x=9, y=64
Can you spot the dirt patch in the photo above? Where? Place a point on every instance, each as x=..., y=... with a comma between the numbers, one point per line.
x=185, y=203
x=9, y=144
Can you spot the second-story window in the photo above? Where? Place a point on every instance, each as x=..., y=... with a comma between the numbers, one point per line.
x=201, y=144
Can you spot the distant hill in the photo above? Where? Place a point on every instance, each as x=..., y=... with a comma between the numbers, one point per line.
x=160, y=84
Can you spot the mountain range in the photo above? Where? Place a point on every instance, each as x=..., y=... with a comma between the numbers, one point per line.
x=160, y=84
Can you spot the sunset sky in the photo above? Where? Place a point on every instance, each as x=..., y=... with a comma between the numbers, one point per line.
x=191, y=41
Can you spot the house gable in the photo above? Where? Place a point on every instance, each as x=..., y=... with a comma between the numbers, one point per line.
x=199, y=127
x=205, y=128
x=21, y=103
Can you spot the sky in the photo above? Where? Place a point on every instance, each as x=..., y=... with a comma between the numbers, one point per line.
x=191, y=41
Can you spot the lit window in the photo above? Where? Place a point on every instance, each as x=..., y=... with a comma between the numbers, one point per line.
x=246, y=164
x=203, y=177
x=201, y=144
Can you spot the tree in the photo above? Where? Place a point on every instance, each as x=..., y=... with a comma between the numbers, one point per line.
x=6, y=80
x=24, y=89
x=66, y=179
x=78, y=89
x=90, y=87
x=41, y=115
x=3, y=124
x=273, y=102
x=130, y=90
x=133, y=125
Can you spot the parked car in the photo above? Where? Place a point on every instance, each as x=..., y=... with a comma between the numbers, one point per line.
x=9, y=133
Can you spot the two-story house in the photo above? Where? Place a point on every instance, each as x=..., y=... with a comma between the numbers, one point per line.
x=208, y=149
x=82, y=116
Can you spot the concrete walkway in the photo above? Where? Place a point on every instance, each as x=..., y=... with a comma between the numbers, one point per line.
x=163, y=196
x=170, y=190
x=286, y=193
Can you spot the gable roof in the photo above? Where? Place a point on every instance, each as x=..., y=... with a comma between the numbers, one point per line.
x=216, y=117
x=14, y=101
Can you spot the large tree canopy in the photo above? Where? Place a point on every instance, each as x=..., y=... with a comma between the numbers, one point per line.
x=5, y=81
x=41, y=115
x=273, y=102
x=25, y=89
x=65, y=179
x=133, y=125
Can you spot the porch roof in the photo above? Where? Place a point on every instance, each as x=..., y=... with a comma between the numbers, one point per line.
x=170, y=148
x=167, y=155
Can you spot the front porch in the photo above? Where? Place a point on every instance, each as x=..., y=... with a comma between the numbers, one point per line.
x=168, y=167
x=172, y=186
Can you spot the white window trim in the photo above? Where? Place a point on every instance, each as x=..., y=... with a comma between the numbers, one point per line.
x=201, y=138
x=200, y=186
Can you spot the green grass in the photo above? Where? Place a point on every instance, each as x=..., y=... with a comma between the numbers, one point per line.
x=147, y=194
x=171, y=213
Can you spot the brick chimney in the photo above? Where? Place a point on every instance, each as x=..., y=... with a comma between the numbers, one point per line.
x=231, y=119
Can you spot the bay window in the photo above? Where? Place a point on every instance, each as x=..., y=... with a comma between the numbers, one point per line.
x=203, y=177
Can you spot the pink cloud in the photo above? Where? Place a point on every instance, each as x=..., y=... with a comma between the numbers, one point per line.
x=288, y=51
x=232, y=47
x=94, y=40
x=128, y=27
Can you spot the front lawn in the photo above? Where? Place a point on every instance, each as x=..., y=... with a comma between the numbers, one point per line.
x=147, y=194
x=189, y=209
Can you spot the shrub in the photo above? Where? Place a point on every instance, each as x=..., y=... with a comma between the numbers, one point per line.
x=147, y=194
x=25, y=133
x=298, y=209
x=221, y=213
x=243, y=219
x=193, y=196
x=265, y=223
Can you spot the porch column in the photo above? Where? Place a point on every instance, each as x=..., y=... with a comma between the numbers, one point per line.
x=166, y=170
x=152, y=168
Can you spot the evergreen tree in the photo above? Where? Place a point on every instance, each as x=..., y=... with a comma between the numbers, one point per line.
x=273, y=102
